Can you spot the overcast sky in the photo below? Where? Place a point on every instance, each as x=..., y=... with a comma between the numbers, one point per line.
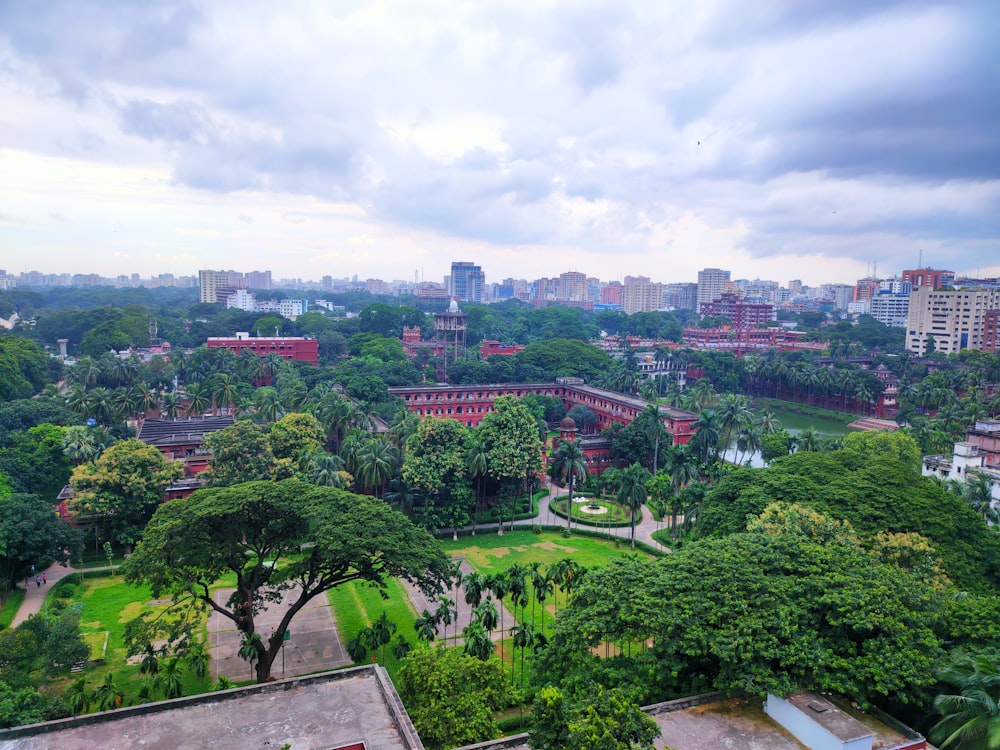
x=802, y=139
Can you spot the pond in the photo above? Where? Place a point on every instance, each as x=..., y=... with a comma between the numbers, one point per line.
x=796, y=418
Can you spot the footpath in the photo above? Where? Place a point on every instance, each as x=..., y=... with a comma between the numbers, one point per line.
x=34, y=596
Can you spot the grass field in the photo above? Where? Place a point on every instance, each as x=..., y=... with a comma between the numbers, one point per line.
x=10, y=607
x=489, y=553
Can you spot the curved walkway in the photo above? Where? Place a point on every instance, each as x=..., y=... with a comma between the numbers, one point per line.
x=34, y=596
x=643, y=530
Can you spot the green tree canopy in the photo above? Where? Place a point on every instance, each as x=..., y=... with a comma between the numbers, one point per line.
x=435, y=463
x=275, y=537
x=30, y=532
x=451, y=696
x=241, y=453
x=125, y=485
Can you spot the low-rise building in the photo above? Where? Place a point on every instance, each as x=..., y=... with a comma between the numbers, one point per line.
x=977, y=455
x=298, y=348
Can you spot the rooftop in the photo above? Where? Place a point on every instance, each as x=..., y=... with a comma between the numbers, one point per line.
x=181, y=431
x=329, y=710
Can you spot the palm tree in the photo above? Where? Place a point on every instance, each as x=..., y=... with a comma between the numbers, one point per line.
x=632, y=492
x=477, y=462
x=486, y=615
x=381, y=633
x=477, y=641
x=359, y=647
x=809, y=440
x=569, y=464
x=267, y=404
x=401, y=647
x=524, y=636
x=377, y=463
x=978, y=495
x=169, y=679
x=474, y=585
x=225, y=391
x=655, y=432
x=198, y=397
x=443, y=614
x=496, y=583
x=543, y=586
x=971, y=716
x=323, y=469
x=426, y=626
x=78, y=696
x=108, y=695
x=706, y=438
x=100, y=405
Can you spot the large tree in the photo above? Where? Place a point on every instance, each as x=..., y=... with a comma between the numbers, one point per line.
x=275, y=538
x=436, y=465
x=124, y=485
x=29, y=533
x=510, y=434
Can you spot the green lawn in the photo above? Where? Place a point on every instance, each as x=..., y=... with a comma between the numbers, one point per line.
x=357, y=606
x=490, y=553
x=10, y=607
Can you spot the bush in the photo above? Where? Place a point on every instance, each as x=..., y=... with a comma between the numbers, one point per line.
x=73, y=579
x=66, y=591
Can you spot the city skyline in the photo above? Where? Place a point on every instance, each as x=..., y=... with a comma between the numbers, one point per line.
x=778, y=141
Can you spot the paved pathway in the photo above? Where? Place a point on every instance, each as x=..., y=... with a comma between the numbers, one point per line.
x=643, y=530
x=34, y=596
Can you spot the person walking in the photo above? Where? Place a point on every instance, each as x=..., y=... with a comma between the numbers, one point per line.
x=38, y=581
x=45, y=578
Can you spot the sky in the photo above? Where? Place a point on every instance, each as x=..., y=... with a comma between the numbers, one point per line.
x=808, y=139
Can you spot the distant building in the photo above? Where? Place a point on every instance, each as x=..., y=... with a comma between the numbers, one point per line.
x=641, y=295
x=977, y=455
x=213, y=285
x=572, y=287
x=466, y=282
x=711, y=284
x=680, y=296
x=742, y=313
x=891, y=309
x=298, y=348
x=933, y=278
x=183, y=439
x=493, y=348
x=991, y=331
x=611, y=293
x=955, y=319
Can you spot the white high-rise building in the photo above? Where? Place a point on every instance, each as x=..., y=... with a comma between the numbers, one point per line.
x=711, y=284
x=955, y=319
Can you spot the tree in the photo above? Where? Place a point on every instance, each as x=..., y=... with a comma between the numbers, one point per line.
x=632, y=492
x=452, y=696
x=569, y=466
x=124, y=485
x=329, y=537
x=758, y=612
x=29, y=532
x=515, y=450
x=971, y=715
x=241, y=453
x=435, y=463
x=606, y=719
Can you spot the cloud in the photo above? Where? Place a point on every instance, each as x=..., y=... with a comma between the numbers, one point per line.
x=577, y=130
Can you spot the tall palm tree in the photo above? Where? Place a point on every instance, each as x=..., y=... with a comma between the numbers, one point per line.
x=378, y=462
x=170, y=405
x=475, y=586
x=477, y=641
x=569, y=465
x=477, y=462
x=100, y=405
x=108, y=695
x=656, y=433
x=198, y=396
x=971, y=716
x=225, y=391
x=706, y=438
x=267, y=404
x=632, y=492
x=426, y=626
x=523, y=637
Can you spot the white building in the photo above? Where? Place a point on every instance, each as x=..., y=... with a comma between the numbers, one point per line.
x=978, y=454
x=954, y=318
x=891, y=309
x=711, y=284
x=242, y=299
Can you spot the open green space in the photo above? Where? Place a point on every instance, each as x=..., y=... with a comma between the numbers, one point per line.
x=10, y=606
x=490, y=553
x=614, y=516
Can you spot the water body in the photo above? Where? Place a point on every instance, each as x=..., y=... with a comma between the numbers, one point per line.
x=826, y=427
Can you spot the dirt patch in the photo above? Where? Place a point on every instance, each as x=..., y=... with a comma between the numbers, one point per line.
x=554, y=546
x=498, y=552
x=130, y=611
x=161, y=602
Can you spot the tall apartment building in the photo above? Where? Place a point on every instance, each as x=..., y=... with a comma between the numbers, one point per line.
x=711, y=284
x=611, y=293
x=991, y=331
x=956, y=319
x=257, y=279
x=572, y=287
x=641, y=295
x=467, y=281
x=890, y=309
x=929, y=277
x=839, y=294
x=681, y=296
x=210, y=283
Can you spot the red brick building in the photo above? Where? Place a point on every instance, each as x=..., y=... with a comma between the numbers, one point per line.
x=743, y=314
x=740, y=341
x=470, y=403
x=492, y=348
x=183, y=439
x=991, y=331
x=296, y=348
x=928, y=277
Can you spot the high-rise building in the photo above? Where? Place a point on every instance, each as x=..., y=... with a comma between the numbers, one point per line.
x=209, y=284
x=955, y=320
x=711, y=284
x=891, y=309
x=467, y=281
x=611, y=293
x=681, y=296
x=744, y=314
x=641, y=295
x=572, y=287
